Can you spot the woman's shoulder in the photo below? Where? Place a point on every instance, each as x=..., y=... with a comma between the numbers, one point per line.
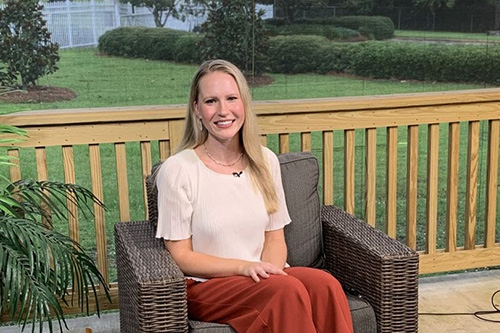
x=180, y=162
x=269, y=155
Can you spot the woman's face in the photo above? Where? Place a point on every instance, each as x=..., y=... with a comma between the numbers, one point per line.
x=220, y=107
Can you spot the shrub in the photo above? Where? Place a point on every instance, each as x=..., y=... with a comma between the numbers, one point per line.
x=328, y=31
x=295, y=54
x=235, y=32
x=25, y=47
x=151, y=43
x=188, y=49
x=373, y=27
x=426, y=62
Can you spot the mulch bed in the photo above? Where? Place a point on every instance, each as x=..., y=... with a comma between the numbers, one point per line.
x=256, y=81
x=37, y=94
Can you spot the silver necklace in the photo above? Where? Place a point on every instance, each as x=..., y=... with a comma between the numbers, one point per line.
x=219, y=163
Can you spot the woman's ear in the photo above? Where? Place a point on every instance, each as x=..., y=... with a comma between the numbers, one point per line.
x=195, y=108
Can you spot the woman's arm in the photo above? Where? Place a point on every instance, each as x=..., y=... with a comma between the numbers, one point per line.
x=275, y=250
x=207, y=266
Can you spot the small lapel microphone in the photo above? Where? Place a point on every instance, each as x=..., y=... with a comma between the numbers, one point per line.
x=237, y=174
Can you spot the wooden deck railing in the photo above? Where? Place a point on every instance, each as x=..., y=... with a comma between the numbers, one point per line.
x=382, y=159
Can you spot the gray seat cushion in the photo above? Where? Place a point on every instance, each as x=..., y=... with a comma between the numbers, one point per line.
x=304, y=238
x=300, y=174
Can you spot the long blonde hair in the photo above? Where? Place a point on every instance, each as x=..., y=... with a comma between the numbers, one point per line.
x=193, y=136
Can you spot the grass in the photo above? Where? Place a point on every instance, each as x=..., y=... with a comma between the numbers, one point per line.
x=446, y=36
x=102, y=81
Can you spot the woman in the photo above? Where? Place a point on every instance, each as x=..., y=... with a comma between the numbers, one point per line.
x=222, y=212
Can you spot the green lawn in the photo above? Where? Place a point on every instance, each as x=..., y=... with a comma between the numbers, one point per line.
x=109, y=81
x=102, y=81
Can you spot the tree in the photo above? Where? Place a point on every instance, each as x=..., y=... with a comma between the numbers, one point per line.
x=433, y=6
x=25, y=46
x=291, y=7
x=234, y=31
x=162, y=10
x=496, y=3
x=38, y=264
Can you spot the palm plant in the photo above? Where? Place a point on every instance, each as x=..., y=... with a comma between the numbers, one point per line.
x=38, y=265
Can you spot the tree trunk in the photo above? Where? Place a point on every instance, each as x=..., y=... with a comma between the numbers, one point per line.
x=157, y=17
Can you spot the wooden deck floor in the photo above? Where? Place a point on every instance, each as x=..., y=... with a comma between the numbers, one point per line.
x=465, y=292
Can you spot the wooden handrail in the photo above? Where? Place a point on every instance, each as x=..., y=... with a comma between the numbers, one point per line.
x=402, y=162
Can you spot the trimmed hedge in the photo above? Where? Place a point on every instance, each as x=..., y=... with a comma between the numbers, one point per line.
x=427, y=62
x=372, y=27
x=151, y=43
x=386, y=60
x=317, y=54
x=302, y=54
x=328, y=31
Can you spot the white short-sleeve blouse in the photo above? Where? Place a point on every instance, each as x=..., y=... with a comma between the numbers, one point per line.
x=225, y=215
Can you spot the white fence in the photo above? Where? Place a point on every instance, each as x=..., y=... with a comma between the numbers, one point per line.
x=81, y=23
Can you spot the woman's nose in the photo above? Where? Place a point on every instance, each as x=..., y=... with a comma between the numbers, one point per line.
x=223, y=109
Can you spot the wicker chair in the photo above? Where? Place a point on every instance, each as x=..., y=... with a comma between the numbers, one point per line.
x=380, y=274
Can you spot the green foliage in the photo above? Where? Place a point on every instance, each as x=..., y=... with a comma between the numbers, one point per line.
x=328, y=31
x=151, y=43
x=187, y=49
x=235, y=32
x=25, y=47
x=386, y=60
x=295, y=54
x=372, y=27
x=427, y=62
x=37, y=264
x=162, y=10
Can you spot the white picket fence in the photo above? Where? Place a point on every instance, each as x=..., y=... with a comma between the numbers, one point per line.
x=81, y=23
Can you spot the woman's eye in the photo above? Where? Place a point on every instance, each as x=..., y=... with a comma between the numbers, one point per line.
x=232, y=98
x=210, y=101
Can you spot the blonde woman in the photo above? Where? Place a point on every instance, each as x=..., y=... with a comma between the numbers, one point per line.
x=222, y=212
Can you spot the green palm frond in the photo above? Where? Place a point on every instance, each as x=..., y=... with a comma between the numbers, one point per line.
x=31, y=196
x=39, y=265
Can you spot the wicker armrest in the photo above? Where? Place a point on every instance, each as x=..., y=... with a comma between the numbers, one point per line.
x=152, y=293
x=382, y=270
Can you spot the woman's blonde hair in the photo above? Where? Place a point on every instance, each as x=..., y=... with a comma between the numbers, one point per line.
x=249, y=134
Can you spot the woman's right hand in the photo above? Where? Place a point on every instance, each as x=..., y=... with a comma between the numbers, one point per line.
x=260, y=269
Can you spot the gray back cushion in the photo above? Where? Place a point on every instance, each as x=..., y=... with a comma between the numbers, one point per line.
x=300, y=174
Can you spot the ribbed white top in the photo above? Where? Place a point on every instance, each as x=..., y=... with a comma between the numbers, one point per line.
x=225, y=215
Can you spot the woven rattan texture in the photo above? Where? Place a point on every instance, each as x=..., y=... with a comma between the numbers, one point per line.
x=383, y=270
x=152, y=193
x=152, y=290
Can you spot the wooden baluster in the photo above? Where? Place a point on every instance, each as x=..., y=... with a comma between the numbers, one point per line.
x=370, y=175
x=328, y=167
x=146, y=170
x=305, y=139
x=392, y=181
x=491, y=183
x=411, y=187
x=452, y=186
x=432, y=186
x=284, y=143
x=471, y=187
x=122, y=181
x=99, y=222
x=43, y=174
x=349, y=154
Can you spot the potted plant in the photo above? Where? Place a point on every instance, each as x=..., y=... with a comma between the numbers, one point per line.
x=39, y=265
